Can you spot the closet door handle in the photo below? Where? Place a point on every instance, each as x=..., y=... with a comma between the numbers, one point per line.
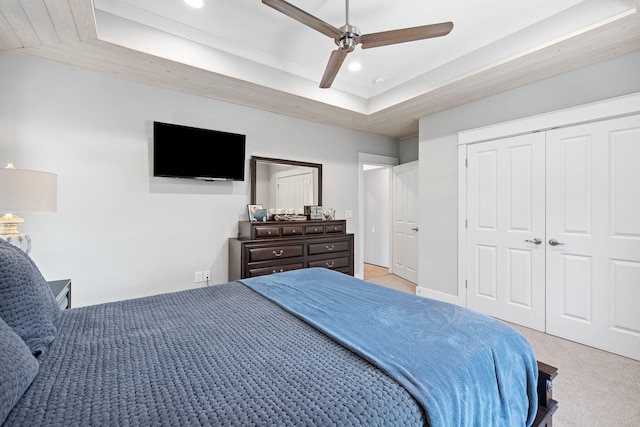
x=554, y=242
x=536, y=241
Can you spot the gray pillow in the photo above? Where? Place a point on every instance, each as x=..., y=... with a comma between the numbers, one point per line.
x=26, y=302
x=18, y=368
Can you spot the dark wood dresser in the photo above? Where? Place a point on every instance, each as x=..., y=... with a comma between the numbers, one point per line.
x=276, y=246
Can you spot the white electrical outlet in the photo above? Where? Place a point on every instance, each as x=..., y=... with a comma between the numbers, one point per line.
x=206, y=274
x=198, y=276
x=349, y=214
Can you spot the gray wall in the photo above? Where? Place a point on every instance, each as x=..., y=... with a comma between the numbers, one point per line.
x=119, y=232
x=438, y=248
x=409, y=150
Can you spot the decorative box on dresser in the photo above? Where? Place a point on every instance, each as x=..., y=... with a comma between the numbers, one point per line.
x=275, y=246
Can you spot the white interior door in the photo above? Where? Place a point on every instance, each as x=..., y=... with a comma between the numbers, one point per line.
x=593, y=211
x=505, y=229
x=405, y=221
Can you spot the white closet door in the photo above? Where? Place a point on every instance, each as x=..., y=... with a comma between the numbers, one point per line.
x=593, y=211
x=506, y=214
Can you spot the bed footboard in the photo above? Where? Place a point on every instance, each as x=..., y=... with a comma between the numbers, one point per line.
x=546, y=405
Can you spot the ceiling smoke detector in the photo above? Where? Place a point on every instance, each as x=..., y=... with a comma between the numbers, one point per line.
x=379, y=80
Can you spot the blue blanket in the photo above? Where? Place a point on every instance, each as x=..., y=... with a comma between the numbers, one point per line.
x=464, y=368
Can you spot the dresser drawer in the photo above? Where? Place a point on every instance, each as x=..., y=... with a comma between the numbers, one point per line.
x=335, y=228
x=253, y=272
x=267, y=231
x=328, y=247
x=258, y=230
x=275, y=252
x=333, y=263
x=292, y=230
x=314, y=229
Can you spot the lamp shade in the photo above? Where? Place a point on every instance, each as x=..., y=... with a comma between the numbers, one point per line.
x=26, y=191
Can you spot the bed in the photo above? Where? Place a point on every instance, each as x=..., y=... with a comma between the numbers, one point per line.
x=305, y=347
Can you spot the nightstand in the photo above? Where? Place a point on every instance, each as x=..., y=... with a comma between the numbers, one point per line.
x=61, y=289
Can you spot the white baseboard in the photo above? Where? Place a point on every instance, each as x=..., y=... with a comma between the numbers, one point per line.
x=440, y=296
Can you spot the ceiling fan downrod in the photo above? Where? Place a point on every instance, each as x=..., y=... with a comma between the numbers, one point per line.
x=346, y=14
x=347, y=39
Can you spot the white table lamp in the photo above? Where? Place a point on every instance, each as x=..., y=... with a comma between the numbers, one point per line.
x=24, y=191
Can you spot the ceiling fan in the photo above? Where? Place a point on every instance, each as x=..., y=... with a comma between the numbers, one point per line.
x=348, y=36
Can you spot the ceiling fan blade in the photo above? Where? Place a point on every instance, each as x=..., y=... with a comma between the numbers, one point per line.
x=385, y=38
x=303, y=17
x=335, y=62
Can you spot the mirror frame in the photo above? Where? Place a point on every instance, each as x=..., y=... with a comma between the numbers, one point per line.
x=256, y=159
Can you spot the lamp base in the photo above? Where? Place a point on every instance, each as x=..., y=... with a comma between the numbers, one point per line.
x=21, y=240
x=9, y=232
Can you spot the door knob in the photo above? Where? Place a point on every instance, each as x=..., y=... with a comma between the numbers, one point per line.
x=554, y=242
x=415, y=229
x=536, y=241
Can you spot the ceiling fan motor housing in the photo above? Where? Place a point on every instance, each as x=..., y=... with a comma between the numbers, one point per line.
x=347, y=39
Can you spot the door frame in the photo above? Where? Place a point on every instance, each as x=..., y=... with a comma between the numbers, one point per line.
x=370, y=159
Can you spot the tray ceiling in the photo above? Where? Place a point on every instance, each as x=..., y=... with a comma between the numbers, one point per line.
x=247, y=53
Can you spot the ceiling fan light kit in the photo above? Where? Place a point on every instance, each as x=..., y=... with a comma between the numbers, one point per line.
x=348, y=36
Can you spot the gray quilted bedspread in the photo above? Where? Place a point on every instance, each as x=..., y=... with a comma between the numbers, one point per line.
x=221, y=355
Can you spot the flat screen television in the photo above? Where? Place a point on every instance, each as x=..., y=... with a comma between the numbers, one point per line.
x=189, y=152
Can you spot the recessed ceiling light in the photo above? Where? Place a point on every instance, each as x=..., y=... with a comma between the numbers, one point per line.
x=355, y=66
x=195, y=3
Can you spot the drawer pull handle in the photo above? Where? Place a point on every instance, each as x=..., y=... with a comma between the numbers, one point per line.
x=293, y=231
x=275, y=271
x=329, y=248
x=330, y=264
x=269, y=232
x=315, y=229
x=278, y=253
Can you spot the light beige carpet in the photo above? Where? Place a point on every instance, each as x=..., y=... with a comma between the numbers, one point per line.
x=593, y=388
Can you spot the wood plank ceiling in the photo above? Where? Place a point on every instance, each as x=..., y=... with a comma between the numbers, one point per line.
x=64, y=31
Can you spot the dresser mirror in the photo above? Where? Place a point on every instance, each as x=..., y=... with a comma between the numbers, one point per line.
x=285, y=186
